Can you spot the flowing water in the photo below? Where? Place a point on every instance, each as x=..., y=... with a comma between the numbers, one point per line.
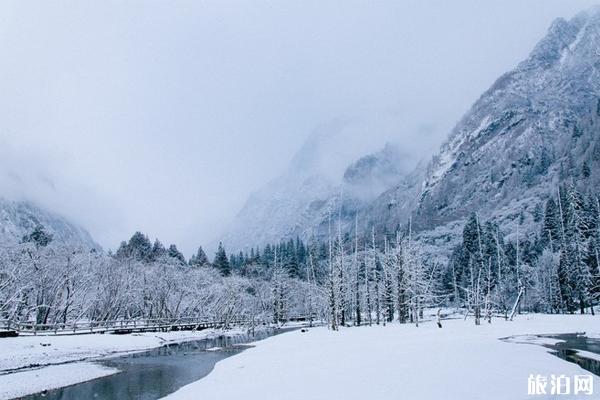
x=156, y=373
x=570, y=347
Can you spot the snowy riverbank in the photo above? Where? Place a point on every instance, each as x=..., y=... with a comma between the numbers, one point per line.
x=35, y=363
x=459, y=361
x=32, y=351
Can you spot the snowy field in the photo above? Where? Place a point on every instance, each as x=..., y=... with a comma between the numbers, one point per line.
x=49, y=362
x=459, y=361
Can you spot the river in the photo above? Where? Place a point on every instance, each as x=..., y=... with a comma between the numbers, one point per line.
x=153, y=374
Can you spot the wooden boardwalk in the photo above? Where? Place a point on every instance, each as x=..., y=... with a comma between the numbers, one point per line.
x=12, y=328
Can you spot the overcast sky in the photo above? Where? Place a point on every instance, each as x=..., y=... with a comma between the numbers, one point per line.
x=163, y=116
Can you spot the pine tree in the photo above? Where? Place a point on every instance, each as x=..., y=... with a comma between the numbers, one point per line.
x=280, y=291
x=242, y=261
x=267, y=257
x=158, y=250
x=199, y=259
x=221, y=262
x=577, y=230
x=257, y=256
x=122, y=252
x=175, y=254
x=471, y=235
x=564, y=282
x=291, y=261
x=300, y=252
x=38, y=237
x=551, y=231
x=139, y=247
x=236, y=261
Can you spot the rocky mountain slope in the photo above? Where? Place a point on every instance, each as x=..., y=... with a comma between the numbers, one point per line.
x=536, y=127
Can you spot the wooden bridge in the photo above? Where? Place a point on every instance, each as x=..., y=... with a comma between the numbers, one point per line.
x=10, y=328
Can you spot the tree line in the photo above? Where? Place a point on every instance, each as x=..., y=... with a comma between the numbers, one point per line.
x=350, y=278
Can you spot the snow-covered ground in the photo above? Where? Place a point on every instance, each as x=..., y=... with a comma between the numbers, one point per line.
x=459, y=361
x=52, y=377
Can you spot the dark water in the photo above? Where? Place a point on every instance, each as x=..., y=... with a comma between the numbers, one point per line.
x=156, y=373
x=567, y=350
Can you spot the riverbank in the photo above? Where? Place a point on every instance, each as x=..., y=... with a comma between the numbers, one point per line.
x=32, y=381
x=459, y=361
x=35, y=363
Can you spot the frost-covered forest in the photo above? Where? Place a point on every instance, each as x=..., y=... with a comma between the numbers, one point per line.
x=350, y=279
x=49, y=283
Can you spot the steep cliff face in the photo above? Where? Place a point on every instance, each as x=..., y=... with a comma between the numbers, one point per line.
x=18, y=218
x=536, y=127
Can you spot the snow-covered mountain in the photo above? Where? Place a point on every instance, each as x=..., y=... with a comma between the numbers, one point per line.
x=307, y=196
x=537, y=126
x=373, y=174
x=18, y=218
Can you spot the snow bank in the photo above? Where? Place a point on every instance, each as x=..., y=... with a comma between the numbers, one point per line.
x=533, y=339
x=37, y=380
x=459, y=361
